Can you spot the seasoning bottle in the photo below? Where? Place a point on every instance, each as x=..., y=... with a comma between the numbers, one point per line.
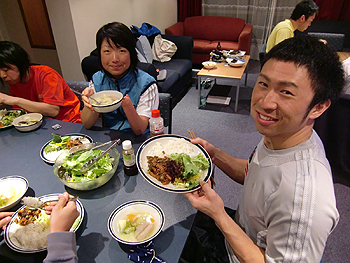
x=218, y=47
x=156, y=123
x=129, y=159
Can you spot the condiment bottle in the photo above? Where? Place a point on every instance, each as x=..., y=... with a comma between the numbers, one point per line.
x=129, y=159
x=156, y=123
x=218, y=47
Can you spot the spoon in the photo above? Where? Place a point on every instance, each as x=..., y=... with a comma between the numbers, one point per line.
x=78, y=92
x=34, y=203
x=91, y=162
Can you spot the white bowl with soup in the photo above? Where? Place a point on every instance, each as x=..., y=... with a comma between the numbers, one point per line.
x=136, y=222
x=28, y=122
x=12, y=189
x=110, y=100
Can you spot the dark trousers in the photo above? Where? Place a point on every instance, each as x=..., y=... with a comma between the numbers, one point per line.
x=205, y=242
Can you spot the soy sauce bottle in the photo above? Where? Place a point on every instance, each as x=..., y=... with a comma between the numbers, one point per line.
x=129, y=159
x=218, y=47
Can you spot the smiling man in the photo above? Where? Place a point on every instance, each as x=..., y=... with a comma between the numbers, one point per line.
x=288, y=207
x=301, y=18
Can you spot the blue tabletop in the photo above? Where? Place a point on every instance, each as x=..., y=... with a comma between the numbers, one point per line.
x=20, y=155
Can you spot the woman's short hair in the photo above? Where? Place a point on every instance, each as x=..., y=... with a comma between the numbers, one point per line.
x=13, y=54
x=121, y=36
x=324, y=68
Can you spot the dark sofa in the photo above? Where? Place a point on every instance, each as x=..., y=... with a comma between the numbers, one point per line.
x=179, y=68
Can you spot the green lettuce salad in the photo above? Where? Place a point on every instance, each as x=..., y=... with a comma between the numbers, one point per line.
x=70, y=168
x=191, y=169
x=58, y=143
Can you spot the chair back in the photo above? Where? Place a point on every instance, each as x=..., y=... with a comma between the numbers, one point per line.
x=78, y=86
x=333, y=39
x=166, y=110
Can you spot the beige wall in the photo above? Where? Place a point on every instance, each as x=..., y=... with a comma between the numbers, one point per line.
x=75, y=23
x=12, y=28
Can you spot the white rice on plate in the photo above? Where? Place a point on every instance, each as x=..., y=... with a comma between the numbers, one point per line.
x=176, y=145
x=32, y=236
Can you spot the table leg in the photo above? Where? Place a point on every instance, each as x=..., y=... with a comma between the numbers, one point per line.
x=199, y=90
x=237, y=95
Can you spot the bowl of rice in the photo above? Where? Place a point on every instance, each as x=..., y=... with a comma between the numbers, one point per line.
x=109, y=100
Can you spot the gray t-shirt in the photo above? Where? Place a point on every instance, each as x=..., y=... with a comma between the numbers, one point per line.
x=288, y=206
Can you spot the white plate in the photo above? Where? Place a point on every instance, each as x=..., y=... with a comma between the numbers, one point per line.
x=19, y=184
x=237, y=55
x=239, y=62
x=52, y=156
x=15, y=110
x=130, y=207
x=147, y=147
x=11, y=227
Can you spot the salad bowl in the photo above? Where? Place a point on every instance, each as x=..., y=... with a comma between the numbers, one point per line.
x=90, y=179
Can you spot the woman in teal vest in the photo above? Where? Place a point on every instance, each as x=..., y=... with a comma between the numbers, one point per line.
x=118, y=59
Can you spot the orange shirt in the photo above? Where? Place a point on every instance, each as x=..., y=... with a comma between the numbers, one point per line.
x=46, y=85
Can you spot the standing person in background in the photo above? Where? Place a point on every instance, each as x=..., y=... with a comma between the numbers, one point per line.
x=116, y=47
x=35, y=88
x=303, y=15
x=288, y=208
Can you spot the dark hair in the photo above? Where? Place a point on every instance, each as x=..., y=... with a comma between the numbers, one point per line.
x=324, y=68
x=121, y=36
x=13, y=54
x=306, y=7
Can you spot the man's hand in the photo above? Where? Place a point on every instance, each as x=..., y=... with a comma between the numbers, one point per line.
x=5, y=218
x=63, y=214
x=206, y=145
x=207, y=201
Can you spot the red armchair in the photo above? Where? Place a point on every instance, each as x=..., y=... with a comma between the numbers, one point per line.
x=207, y=31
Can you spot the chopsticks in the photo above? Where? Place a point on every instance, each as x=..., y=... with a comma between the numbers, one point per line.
x=191, y=133
x=193, y=136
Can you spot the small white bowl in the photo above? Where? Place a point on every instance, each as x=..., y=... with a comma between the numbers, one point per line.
x=103, y=108
x=15, y=183
x=22, y=123
x=131, y=207
x=209, y=64
x=235, y=62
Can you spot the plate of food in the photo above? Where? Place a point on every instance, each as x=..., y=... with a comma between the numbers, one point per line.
x=28, y=229
x=235, y=54
x=172, y=163
x=7, y=117
x=235, y=62
x=59, y=143
x=12, y=189
x=136, y=222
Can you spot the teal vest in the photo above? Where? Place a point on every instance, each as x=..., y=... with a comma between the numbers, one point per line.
x=133, y=83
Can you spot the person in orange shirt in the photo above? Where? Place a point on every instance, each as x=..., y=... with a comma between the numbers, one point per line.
x=35, y=88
